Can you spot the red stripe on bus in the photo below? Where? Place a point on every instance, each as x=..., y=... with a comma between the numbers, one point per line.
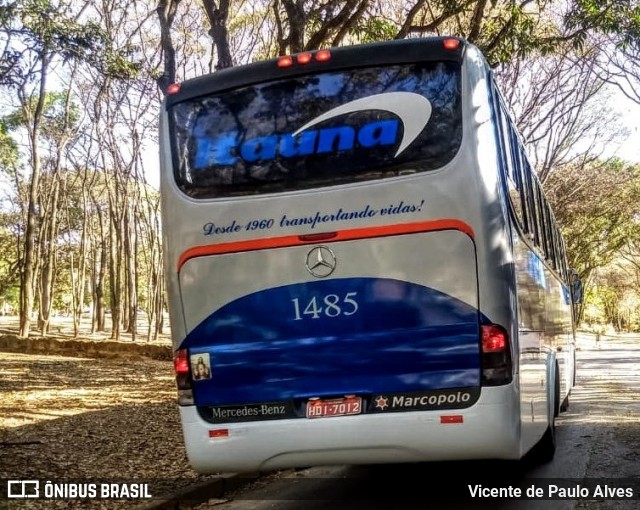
x=342, y=235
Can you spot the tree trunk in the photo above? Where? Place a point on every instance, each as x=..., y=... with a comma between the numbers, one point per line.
x=130, y=244
x=115, y=275
x=82, y=260
x=28, y=275
x=99, y=271
x=50, y=236
x=166, y=13
x=218, y=16
x=297, y=21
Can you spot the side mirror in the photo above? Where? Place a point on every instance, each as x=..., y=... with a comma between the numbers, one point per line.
x=576, y=287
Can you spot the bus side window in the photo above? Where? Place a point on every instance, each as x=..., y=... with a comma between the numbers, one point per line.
x=511, y=164
x=550, y=235
x=531, y=200
x=545, y=223
x=563, y=253
x=518, y=170
x=553, y=231
x=539, y=201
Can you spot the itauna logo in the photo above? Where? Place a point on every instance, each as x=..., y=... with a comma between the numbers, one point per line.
x=412, y=111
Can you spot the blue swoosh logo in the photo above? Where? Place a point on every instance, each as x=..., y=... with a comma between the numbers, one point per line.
x=413, y=110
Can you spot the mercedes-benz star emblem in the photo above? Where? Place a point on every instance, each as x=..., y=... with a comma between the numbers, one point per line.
x=321, y=261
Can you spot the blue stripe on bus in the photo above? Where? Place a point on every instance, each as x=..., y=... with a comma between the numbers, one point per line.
x=402, y=337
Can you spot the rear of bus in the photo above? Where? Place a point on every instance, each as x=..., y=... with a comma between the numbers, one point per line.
x=320, y=219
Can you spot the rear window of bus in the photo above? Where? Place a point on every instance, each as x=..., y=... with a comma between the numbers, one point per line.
x=249, y=140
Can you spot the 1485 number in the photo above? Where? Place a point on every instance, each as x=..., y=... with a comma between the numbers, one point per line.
x=330, y=306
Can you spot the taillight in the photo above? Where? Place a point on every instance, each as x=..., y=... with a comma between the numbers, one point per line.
x=494, y=338
x=181, y=361
x=183, y=377
x=496, y=355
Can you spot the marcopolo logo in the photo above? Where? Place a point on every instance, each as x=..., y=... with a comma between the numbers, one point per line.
x=413, y=112
x=425, y=400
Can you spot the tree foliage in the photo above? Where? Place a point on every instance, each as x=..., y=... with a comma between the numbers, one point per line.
x=8, y=149
x=619, y=19
x=42, y=27
x=597, y=206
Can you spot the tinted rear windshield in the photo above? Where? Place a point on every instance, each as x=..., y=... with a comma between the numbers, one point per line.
x=318, y=130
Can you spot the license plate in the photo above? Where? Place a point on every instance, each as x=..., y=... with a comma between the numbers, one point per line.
x=319, y=408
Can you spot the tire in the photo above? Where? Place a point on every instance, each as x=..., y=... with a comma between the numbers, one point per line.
x=545, y=450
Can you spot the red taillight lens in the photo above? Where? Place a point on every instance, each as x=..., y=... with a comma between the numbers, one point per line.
x=323, y=55
x=183, y=377
x=174, y=88
x=285, y=61
x=451, y=44
x=496, y=355
x=494, y=338
x=181, y=361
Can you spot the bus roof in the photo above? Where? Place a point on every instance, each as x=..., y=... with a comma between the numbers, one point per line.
x=400, y=51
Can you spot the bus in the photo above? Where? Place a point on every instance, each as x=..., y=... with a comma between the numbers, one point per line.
x=362, y=266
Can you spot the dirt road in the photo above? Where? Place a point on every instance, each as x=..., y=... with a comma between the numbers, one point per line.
x=74, y=418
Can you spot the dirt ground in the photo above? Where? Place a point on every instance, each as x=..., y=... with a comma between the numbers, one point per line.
x=66, y=418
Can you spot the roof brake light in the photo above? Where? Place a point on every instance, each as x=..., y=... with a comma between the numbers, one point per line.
x=451, y=44
x=174, y=88
x=323, y=55
x=285, y=61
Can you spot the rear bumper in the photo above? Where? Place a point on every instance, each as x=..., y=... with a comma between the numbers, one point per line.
x=490, y=429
